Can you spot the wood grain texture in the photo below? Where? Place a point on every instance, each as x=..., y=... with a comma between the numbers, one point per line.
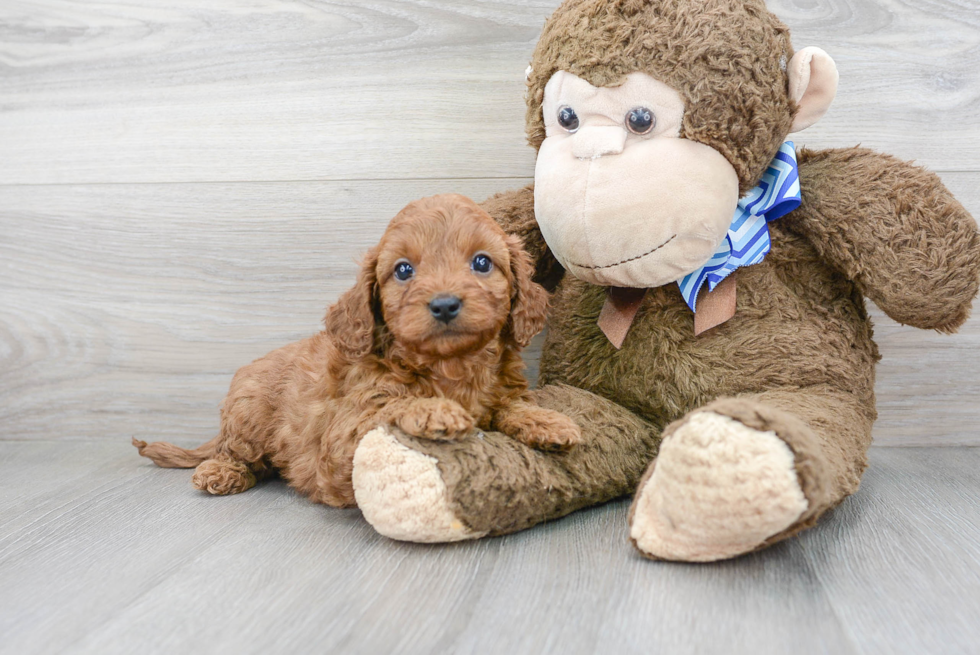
x=125, y=309
x=286, y=90
x=129, y=558
x=905, y=548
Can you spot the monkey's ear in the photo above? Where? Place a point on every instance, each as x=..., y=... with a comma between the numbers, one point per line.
x=812, y=86
x=351, y=321
x=529, y=300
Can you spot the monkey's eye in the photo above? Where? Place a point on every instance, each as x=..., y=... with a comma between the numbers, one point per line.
x=568, y=119
x=403, y=270
x=481, y=263
x=640, y=120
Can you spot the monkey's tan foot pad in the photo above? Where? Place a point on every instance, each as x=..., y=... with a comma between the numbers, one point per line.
x=402, y=494
x=717, y=489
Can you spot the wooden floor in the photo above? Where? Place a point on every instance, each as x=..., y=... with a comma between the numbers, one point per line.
x=101, y=553
x=185, y=186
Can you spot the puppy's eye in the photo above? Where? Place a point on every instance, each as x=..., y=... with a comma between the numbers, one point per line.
x=481, y=264
x=568, y=119
x=403, y=270
x=640, y=120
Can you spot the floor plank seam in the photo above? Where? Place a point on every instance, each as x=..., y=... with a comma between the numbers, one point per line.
x=326, y=180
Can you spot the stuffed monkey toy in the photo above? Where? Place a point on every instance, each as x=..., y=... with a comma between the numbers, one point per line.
x=708, y=329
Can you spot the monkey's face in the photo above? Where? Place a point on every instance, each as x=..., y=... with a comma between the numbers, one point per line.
x=621, y=198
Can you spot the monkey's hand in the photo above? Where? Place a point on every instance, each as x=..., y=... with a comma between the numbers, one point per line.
x=894, y=230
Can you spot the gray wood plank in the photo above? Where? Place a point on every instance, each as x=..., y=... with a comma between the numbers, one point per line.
x=927, y=385
x=272, y=90
x=586, y=583
x=901, y=566
x=125, y=309
x=287, y=90
x=90, y=549
x=137, y=561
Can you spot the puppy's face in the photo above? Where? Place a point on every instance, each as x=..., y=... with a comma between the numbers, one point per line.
x=444, y=275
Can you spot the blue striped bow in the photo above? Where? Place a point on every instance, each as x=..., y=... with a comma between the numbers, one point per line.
x=747, y=241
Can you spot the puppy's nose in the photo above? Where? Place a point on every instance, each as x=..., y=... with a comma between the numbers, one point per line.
x=445, y=308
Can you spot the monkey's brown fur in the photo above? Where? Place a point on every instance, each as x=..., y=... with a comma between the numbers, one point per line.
x=382, y=358
x=797, y=358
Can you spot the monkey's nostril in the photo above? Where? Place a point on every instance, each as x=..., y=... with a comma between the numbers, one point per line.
x=445, y=308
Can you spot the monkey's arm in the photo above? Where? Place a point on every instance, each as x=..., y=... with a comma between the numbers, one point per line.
x=514, y=211
x=893, y=229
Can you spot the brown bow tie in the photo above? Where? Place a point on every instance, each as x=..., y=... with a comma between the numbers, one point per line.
x=621, y=305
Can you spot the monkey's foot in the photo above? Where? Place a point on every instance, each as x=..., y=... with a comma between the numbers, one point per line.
x=487, y=483
x=401, y=492
x=717, y=489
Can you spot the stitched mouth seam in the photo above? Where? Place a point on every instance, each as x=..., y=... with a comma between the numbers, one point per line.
x=631, y=259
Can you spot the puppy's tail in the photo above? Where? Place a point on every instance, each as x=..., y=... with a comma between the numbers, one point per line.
x=170, y=456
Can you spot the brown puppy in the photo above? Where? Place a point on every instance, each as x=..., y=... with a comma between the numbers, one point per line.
x=429, y=339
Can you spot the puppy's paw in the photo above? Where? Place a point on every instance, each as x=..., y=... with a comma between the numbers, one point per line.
x=551, y=431
x=222, y=477
x=439, y=419
x=544, y=429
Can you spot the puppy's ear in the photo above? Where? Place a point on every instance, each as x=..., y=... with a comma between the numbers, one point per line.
x=350, y=322
x=529, y=300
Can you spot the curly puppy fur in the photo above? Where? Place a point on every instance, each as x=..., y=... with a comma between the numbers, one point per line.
x=385, y=357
